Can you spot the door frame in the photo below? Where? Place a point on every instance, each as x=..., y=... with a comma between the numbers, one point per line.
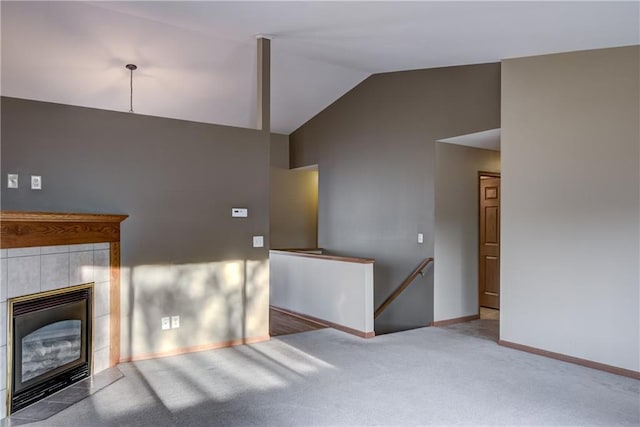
x=492, y=175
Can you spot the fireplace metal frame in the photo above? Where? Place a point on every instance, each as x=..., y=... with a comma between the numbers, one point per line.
x=10, y=310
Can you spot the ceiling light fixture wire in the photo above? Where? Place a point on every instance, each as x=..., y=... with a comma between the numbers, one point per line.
x=131, y=68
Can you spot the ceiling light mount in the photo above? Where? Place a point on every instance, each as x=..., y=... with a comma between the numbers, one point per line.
x=131, y=68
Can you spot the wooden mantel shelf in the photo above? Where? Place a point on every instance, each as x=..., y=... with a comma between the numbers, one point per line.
x=59, y=217
x=20, y=229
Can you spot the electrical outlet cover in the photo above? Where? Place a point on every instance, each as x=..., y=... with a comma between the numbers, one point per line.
x=175, y=322
x=166, y=323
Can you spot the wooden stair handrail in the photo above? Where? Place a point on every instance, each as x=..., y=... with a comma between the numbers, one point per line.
x=403, y=286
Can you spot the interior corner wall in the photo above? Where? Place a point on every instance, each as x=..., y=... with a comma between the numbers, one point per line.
x=293, y=201
x=293, y=206
x=374, y=148
x=182, y=252
x=455, y=278
x=571, y=204
x=279, y=151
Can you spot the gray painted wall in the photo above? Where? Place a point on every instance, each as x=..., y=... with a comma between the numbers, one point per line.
x=375, y=153
x=279, y=155
x=455, y=279
x=571, y=204
x=182, y=252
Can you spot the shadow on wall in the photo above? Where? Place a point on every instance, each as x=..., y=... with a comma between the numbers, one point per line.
x=413, y=308
x=216, y=301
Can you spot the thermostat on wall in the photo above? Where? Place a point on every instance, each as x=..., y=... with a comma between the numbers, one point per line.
x=239, y=212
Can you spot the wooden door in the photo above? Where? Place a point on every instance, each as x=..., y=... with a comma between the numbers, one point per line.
x=489, y=241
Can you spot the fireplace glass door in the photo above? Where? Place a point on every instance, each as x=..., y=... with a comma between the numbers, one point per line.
x=48, y=347
x=51, y=344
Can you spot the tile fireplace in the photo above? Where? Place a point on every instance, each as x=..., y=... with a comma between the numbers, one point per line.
x=69, y=265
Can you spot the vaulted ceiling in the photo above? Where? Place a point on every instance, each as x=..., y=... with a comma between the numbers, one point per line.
x=197, y=59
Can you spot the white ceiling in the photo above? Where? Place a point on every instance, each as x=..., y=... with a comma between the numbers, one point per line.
x=197, y=60
x=487, y=140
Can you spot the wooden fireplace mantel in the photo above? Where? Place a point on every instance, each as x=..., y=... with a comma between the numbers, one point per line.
x=26, y=229
x=20, y=229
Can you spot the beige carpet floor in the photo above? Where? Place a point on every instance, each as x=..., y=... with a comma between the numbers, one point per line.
x=429, y=376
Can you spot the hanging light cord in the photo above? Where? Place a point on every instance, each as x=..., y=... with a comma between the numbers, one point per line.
x=131, y=67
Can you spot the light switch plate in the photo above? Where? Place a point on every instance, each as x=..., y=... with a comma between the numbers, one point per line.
x=12, y=180
x=420, y=238
x=239, y=212
x=258, y=241
x=36, y=182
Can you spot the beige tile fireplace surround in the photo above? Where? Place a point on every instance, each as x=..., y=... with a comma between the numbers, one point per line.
x=40, y=252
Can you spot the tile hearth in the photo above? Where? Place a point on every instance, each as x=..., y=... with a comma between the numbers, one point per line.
x=55, y=403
